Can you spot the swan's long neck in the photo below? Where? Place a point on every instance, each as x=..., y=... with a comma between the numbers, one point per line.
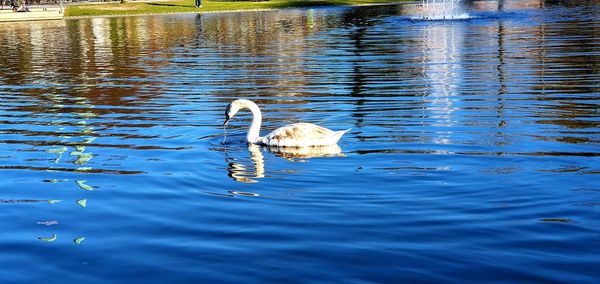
x=254, y=131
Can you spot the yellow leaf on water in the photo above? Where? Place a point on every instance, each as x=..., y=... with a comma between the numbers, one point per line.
x=79, y=240
x=83, y=158
x=48, y=239
x=82, y=202
x=57, y=150
x=87, y=114
x=82, y=185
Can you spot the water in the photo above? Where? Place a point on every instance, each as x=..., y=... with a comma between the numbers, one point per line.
x=473, y=155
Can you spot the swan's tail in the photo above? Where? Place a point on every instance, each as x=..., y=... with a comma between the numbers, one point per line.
x=339, y=134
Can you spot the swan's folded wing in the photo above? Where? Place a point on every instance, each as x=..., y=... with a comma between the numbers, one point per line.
x=299, y=134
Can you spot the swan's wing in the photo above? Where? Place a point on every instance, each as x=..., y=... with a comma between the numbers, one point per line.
x=299, y=131
x=299, y=134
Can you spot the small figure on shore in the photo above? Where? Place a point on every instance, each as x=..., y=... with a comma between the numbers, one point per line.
x=19, y=6
x=198, y=3
x=23, y=8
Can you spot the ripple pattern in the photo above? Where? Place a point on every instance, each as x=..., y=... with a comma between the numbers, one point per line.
x=473, y=152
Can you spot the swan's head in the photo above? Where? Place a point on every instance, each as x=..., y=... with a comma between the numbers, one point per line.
x=231, y=110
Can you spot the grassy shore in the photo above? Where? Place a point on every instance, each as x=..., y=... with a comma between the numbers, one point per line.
x=183, y=6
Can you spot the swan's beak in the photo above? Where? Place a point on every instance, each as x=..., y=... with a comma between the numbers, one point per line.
x=226, y=120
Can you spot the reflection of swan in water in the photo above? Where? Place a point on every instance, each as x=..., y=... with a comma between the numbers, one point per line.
x=292, y=135
x=239, y=171
x=244, y=173
x=307, y=152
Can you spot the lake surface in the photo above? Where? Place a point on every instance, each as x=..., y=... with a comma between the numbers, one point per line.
x=474, y=154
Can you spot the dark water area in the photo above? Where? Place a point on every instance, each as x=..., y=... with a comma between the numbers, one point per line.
x=473, y=155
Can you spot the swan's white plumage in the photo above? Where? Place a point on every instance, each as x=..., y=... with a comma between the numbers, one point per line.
x=292, y=135
x=301, y=135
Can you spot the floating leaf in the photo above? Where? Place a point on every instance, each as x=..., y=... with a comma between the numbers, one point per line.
x=82, y=185
x=82, y=202
x=57, y=150
x=87, y=114
x=52, y=201
x=79, y=240
x=48, y=239
x=83, y=158
x=84, y=169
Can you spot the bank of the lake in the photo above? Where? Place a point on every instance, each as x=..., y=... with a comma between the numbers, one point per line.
x=36, y=13
x=187, y=6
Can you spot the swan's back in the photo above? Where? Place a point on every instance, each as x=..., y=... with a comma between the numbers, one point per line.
x=302, y=135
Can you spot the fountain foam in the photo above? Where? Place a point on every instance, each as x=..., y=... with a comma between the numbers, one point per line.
x=443, y=10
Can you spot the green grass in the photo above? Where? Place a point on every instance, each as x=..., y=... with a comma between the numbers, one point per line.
x=182, y=6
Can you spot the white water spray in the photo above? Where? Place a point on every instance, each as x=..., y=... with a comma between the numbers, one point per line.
x=443, y=10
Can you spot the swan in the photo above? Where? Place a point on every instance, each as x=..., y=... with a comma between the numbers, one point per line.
x=292, y=135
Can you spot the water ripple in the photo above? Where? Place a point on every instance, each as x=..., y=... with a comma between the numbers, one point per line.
x=471, y=141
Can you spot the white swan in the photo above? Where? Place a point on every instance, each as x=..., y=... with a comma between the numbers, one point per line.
x=292, y=135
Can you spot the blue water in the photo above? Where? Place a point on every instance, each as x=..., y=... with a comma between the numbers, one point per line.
x=473, y=155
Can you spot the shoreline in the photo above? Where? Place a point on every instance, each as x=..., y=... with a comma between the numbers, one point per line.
x=52, y=13
x=173, y=13
x=231, y=11
x=36, y=13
